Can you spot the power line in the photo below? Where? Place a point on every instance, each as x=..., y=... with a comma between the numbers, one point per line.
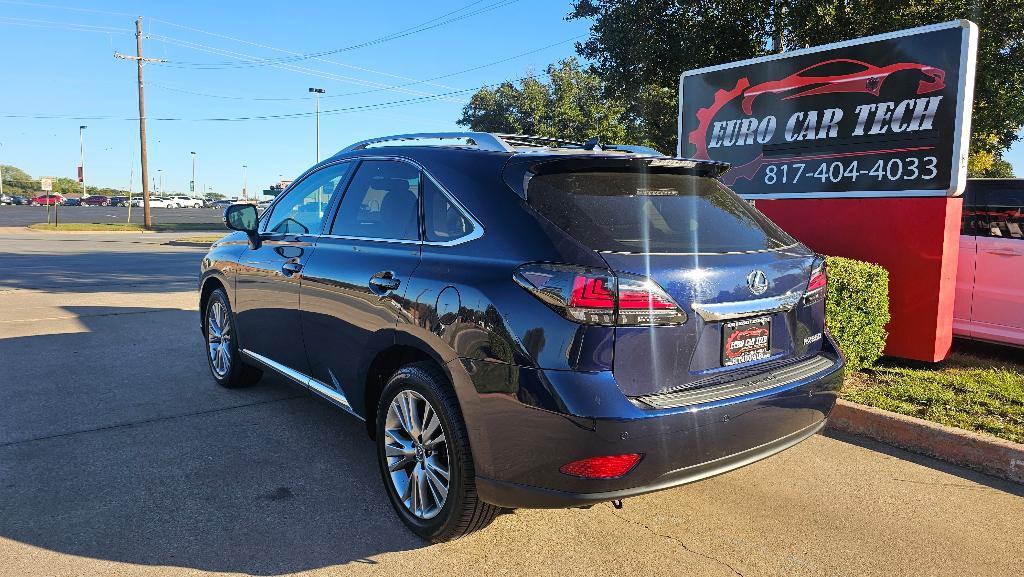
x=348, y=94
x=70, y=8
x=422, y=27
x=343, y=110
x=36, y=23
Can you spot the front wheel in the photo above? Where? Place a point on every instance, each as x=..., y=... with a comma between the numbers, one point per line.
x=425, y=459
x=222, y=347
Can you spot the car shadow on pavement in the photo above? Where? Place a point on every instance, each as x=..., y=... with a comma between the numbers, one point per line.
x=87, y=271
x=140, y=458
x=925, y=461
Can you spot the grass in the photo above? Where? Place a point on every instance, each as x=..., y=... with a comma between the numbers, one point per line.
x=126, y=227
x=978, y=387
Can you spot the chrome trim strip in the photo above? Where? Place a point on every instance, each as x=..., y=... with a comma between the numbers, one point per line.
x=748, y=386
x=304, y=380
x=739, y=309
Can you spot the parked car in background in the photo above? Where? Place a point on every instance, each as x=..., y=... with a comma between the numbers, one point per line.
x=19, y=200
x=154, y=202
x=96, y=200
x=5, y=199
x=47, y=199
x=72, y=202
x=119, y=201
x=223, y=203
x=526, y=322
x=989, y=301
x=184, y=202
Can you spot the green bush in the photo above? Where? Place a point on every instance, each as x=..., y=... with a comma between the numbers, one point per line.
x=857, y=309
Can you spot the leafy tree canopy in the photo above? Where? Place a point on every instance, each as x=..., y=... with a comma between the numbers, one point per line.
x=640, y=47
x=573, y=104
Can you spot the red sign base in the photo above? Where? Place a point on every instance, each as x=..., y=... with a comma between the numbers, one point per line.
x=916, y=239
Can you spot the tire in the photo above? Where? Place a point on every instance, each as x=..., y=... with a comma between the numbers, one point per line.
x=461, y=511
x=223, y=357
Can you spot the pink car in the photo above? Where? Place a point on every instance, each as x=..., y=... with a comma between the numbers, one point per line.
x=989, y=302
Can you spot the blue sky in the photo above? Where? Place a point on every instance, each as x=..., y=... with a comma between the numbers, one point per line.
x=58, y=61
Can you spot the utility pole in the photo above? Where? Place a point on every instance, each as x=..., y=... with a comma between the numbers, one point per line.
x=192, y=185
x=317, y=92
x=147, y=216
x=81, y=154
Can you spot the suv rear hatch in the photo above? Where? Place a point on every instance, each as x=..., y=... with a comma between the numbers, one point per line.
x=738, y=277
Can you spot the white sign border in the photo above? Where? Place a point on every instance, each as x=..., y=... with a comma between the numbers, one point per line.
x=961, y=132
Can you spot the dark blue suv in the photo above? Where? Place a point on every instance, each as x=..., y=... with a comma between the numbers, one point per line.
x=527, y=322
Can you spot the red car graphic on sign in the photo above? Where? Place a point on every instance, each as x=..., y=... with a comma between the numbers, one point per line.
x=863, y=77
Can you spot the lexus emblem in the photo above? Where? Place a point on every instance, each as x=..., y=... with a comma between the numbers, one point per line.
x=757, y=282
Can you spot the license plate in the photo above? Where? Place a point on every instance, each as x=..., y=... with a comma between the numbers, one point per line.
x=746, y=340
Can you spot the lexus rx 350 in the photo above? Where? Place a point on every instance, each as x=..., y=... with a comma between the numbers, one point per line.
x=526, y=322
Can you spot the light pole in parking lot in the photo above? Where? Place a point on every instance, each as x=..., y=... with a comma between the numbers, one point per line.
x=245, y=188
x=192, y=183
x=160, y=174
x=81, y=154
x=317, y=92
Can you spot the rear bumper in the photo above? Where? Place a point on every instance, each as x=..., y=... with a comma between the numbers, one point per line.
x=513, y=495
x=518, y=449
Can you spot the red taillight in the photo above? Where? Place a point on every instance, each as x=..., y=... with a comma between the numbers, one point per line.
x=592, y=292
x=819, y=280
x=607, y=467
x=599, y=296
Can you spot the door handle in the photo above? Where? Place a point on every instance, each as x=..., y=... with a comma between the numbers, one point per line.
x=291, y=267
x=383, y=282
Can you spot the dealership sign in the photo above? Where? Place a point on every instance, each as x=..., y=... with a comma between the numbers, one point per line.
x=885, y=115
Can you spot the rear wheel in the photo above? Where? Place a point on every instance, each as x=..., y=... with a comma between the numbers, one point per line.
x=425, y=459
x=223, y=355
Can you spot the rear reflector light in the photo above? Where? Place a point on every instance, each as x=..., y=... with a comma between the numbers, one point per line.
x=608, y=467
x=599, y=296
x=819, y=281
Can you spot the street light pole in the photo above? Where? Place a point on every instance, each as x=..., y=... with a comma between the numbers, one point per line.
x=160, y=173
x=317, y=92
x=81, y=153
x=192, y=185
x=245, y=180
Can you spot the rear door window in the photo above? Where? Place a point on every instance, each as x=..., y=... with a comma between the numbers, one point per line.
x=641, y=212
x=382, y=202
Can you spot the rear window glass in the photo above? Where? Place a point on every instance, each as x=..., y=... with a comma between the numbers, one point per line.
x=652, y=213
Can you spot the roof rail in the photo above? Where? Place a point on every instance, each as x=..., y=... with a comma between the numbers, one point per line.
x=481, y=140
x=528, y=140
x=498, y=142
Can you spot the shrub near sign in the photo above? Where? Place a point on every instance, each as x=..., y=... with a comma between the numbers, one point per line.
x=877, y=116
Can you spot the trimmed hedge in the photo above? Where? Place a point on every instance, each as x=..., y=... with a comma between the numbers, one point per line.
x=857, y=309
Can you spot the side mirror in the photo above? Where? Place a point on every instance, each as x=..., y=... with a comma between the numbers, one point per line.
x=243, y=217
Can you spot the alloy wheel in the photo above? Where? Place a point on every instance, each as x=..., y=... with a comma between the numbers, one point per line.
x=218, y=337
x=417, y=454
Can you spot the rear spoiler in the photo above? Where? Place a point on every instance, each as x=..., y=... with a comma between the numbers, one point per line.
x=522, y=167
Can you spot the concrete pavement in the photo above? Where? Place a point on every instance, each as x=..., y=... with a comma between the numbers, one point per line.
x=120, y=456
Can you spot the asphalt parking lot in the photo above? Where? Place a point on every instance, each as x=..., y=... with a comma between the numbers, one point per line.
x=120, y=456
x=26, y=215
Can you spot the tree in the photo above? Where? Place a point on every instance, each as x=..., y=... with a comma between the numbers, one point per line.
x=643, y=69
x=572, y=105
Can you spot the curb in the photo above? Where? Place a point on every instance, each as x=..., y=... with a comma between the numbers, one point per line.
x=989, y=455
